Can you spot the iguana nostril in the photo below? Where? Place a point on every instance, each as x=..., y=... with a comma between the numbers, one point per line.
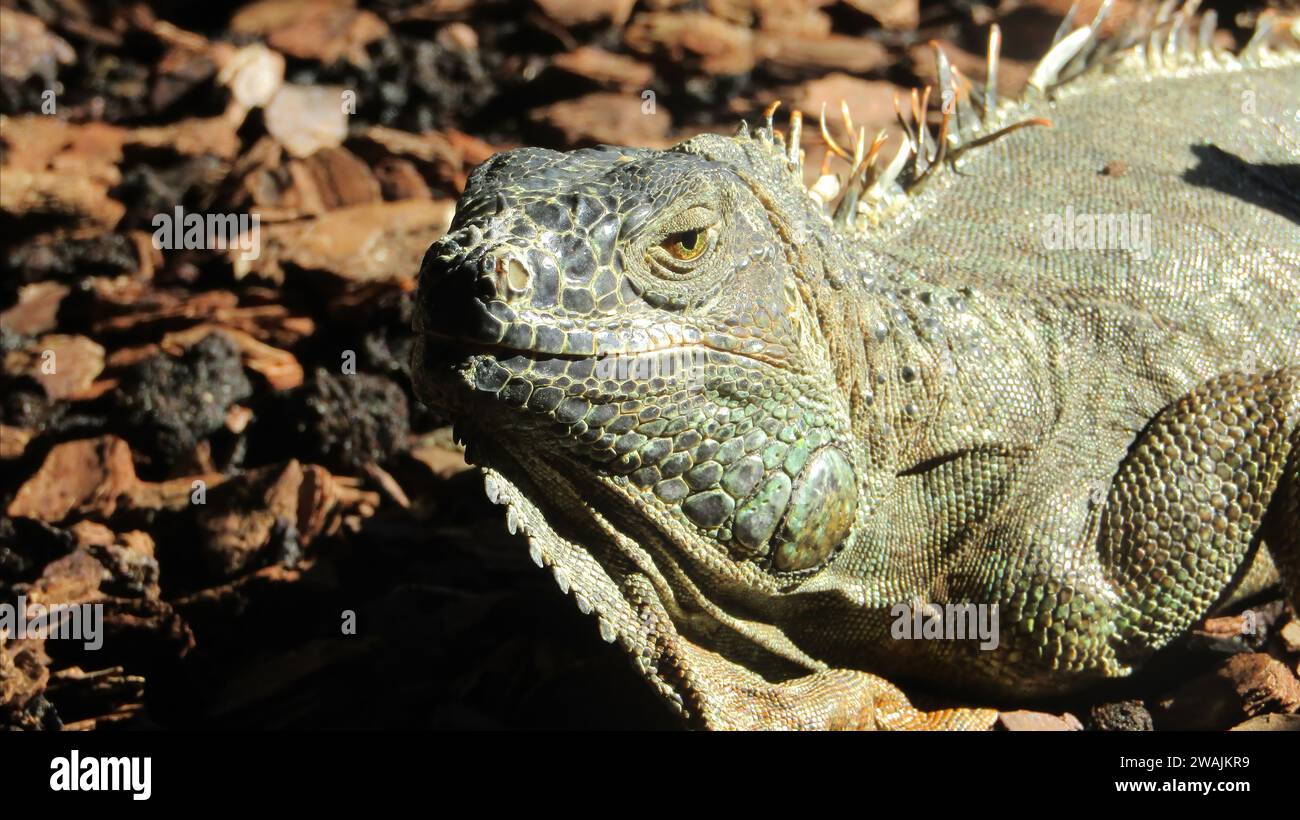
x=517, y=276
x=508, y=277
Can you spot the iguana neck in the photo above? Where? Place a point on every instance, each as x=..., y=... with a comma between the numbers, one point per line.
x=910, y=352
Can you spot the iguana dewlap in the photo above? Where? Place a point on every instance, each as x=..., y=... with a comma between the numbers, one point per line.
x=1051, y=370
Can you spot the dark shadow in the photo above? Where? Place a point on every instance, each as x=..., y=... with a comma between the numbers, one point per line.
x=1274, y=187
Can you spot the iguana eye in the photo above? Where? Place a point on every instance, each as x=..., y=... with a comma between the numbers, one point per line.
x=686, y=246
x=680, y=249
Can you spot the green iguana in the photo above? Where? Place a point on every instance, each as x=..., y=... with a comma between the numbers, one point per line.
x=1051, y=370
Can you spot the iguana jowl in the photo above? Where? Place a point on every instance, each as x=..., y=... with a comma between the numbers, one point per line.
x=741, y=420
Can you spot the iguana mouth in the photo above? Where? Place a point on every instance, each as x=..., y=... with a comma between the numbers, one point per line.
x=464, y=347
x=474, y=347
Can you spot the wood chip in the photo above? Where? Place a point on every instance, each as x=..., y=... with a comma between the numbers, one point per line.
x=383, y=241
x=900, y=15
x=837, y=52
x=96, y=477
x=321, y=30
x=28, y=48
x=613, y=119
x=696, y=40
x=57, y=168
x=196, y=137
x=1290, y=636
x=290, y=503
x=14, y=441
x=443, y=459
x=332, y=178
x=1027, y=721
x=24, y=675
x=585, y=12
x=398, y=179
x=85, y=477
x=605, y=68
x=64, y=365
x=37, y=308
x=1270, y=723
x=1246, y=685
x=305, y=119
x=253, y=74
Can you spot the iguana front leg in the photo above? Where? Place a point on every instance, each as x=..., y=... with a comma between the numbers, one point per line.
x=716, y=693
x=1191, y=501
x=834, y=699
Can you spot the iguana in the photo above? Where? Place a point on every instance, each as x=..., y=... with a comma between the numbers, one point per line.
x=744, y=421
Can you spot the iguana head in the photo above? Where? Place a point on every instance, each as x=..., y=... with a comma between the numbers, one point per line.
x=633, y=334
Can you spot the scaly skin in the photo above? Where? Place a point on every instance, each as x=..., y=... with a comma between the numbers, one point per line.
x=742, y=461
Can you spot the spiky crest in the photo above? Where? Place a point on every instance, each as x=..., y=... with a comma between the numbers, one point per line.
x=1163, y=41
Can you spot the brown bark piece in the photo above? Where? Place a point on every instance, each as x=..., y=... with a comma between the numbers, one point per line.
x=613, y=119
x=1246, y=685
x=585, y=12
x=85, y=477
x=321, y=30
x=96, y=477
x=24, y=673
x=1027, y=721
x=279, y=367
x=377, y=242
x=699, y=41
x=1269, y=723
x=28, y=48
x=242, y=518
x=333, y=178
x=37, y=308
x=65, y=366
x=605, y=68
x=194, y=137
x=837, y=52
x=14, y=441
x=305, y=119
x=899, y=15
